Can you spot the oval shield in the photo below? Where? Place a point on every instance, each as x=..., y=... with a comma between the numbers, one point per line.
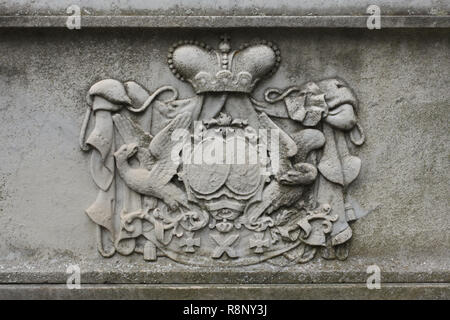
x=207, y=171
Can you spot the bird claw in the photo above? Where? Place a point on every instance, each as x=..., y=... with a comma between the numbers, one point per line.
x=172, y=204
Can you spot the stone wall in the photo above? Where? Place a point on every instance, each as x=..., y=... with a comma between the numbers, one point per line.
x=399, y=75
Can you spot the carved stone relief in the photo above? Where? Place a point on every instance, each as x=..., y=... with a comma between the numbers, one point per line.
x=219, y=178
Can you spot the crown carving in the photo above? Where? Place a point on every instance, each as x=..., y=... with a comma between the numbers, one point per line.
x=223, y=70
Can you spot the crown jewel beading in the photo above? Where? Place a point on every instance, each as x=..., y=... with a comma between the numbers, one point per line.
x=223, y=70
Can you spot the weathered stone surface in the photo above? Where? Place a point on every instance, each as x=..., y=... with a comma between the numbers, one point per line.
x=423, y=291
x=220, y=8
x=225, y=14
x=399, y=76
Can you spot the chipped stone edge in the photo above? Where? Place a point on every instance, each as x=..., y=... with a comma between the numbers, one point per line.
x=217, y=22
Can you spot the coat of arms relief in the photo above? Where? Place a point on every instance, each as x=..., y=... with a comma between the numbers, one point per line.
x=222, y=178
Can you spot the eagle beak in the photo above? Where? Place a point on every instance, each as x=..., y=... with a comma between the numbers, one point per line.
x=133, y=149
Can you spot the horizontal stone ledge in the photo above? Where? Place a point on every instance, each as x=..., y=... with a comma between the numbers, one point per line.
x=229, y=292
x=413, y=21
x=165, y=276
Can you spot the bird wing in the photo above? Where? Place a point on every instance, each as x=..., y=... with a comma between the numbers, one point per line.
x=163, y=146
x=131, y=132
x=275, y=196
x=287, y=146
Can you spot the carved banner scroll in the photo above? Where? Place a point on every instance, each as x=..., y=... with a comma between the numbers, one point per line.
x=218, y=178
